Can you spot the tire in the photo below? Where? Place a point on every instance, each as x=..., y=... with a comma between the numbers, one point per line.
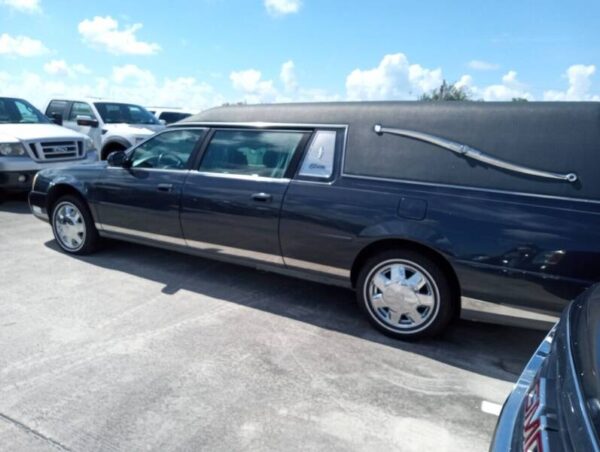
x=73, y=226
x=110, y=149
x=415, y=303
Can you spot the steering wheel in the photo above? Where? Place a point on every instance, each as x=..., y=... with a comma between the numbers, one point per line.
x=175, y=160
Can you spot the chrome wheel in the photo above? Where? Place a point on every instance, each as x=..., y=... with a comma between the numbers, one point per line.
x=402, y=296
x=69, y=226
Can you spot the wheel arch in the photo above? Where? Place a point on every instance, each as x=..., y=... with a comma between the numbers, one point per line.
x=59, y=190
x=112, y=143
x=404, y=244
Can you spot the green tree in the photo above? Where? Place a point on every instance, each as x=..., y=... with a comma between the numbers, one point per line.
x=447, y=91
x=519, y=99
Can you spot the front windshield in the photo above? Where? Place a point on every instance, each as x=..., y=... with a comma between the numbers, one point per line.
x=113, y=113
x=18, y=111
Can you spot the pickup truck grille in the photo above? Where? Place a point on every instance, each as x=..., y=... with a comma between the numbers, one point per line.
x=57, y=150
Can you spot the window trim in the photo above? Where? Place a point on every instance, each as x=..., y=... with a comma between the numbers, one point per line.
x=72, y=106
x=290, y=170
x=191, y=159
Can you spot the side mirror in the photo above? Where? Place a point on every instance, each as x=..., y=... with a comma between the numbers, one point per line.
x=86, y=121
x=163, y=122
x=56, y=118
x=118, y=159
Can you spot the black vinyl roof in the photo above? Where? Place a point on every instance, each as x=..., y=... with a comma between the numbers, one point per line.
x=561, y=137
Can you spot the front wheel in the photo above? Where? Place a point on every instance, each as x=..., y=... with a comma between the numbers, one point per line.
x=405, y=294
x=73, y=226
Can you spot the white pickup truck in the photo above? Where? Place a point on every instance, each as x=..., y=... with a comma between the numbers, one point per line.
x=29, y=142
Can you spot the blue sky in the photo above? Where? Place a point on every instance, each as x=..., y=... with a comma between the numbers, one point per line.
x=201, y=53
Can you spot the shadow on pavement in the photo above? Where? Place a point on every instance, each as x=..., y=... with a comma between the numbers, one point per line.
x=14, y=203
x=492, y=350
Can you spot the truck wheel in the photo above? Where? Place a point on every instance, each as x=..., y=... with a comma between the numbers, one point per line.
x=73, y=226
x=405, y=295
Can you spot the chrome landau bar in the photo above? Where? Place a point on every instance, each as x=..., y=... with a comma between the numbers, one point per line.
x=467, y=151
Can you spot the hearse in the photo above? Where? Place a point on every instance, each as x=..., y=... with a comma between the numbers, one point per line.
x=414, y=205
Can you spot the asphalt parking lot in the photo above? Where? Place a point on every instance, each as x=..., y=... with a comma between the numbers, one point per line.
x=137, y=348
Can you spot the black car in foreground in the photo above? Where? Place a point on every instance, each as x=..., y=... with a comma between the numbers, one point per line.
x=555, y=405
x=414, y=205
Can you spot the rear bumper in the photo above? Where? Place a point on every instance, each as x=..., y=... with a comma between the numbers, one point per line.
x=16, y=173
x=509, y=430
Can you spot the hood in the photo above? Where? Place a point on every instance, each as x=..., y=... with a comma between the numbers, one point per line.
x=25, y=132
x=134, y=129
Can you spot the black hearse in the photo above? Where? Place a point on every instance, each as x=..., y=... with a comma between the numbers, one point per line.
x=412, y=204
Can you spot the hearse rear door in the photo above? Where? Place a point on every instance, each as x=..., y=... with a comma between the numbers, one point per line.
x=231, y=204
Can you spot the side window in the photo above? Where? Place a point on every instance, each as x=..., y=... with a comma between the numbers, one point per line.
x=250, y=152
x=319, y=159
x=56, y=107
x=80, y=109
x=168, y=150
x=26, y=112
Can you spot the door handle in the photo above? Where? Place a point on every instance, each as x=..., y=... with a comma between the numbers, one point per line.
x=164, y=187
x=262, y=197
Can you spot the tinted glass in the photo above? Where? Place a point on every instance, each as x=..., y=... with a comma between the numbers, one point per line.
x=251, y=153
x=18, y=111
x=56, y=106
x=169, y=150
x=80, y=109
x=171, y=117
x=113, y=113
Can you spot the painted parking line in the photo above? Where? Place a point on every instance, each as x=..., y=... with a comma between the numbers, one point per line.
x=491, y=407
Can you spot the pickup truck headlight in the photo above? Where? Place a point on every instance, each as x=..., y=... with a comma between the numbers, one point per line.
x=88, y=145
x=12, y=150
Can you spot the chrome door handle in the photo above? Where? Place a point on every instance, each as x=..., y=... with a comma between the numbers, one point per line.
x=262, y=197
x=164, y=187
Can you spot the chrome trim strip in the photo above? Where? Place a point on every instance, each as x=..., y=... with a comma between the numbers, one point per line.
x=313, y=266
x=507, y=423
x=248, y=177
x=475, y=154
x=258, y=125
x=464, y=187
x=143, y=234
x=232, y=251
x=488, y=312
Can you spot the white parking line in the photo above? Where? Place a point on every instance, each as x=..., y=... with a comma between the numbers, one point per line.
x=491, y=407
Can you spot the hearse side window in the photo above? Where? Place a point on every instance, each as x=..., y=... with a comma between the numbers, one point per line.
x=250, y=152
x=319, y=159
x=168, y=150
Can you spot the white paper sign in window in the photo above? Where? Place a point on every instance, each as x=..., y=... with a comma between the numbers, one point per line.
x=318, y=161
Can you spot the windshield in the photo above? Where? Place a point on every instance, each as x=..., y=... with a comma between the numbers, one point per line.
x=18, y=111
x=113, y=113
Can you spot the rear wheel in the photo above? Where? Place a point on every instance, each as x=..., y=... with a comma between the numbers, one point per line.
x=73, y=226
x=405, y=294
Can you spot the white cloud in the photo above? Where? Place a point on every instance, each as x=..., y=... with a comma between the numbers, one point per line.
x=25, y=6
x=393, y=78
x=282, y=7
x=130, y=73
x=21, y=46
x=510, y=88
x=480, y=65
x=254, y=88
x=103, y=33
x=288, y=77
x=580, y=83
x=63, y=69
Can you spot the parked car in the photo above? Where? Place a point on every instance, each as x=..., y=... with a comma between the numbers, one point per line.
x=169, y=115
x=30, y=142
x=555, y=405
x=414, y=205
x=112, y=126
